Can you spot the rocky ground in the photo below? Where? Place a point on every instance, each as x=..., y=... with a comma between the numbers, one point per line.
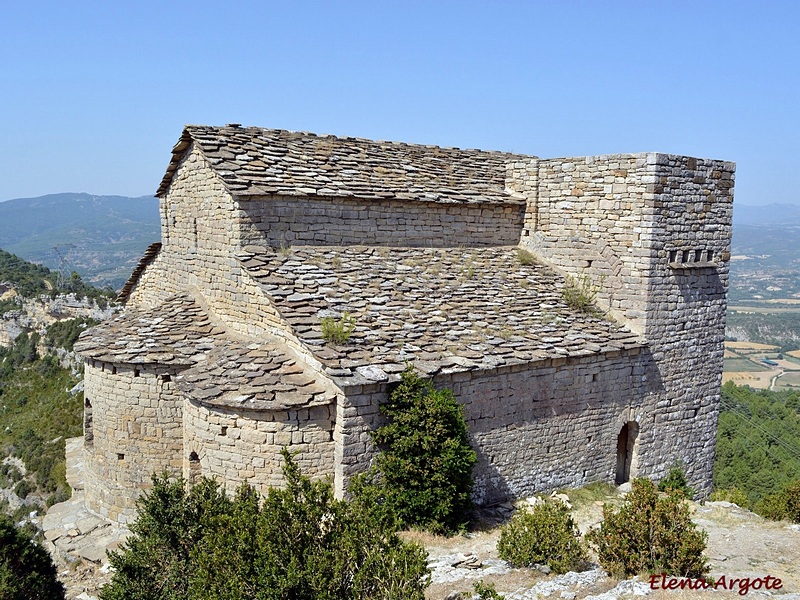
x=740, y=544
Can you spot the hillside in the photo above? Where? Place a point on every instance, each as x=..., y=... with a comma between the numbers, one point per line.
x=41, y=316
x=100, y=237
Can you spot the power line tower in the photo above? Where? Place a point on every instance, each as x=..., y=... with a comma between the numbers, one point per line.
x=64, y=266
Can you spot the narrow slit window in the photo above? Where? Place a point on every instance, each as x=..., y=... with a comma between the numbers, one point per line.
x=88, y=430
x=709, y=255
x=698, y=256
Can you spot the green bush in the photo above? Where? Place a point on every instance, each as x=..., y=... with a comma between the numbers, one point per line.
x=26, y=570
x=676, y=481
x=298, y=543
x=732, y=494
x=424, y=469
x=486, y=591
x=782, y=505
x=650, y=534
x=546, y=535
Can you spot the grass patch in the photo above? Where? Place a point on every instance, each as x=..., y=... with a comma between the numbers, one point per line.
x=589, y=494
x=526, y=258
x=580, y=293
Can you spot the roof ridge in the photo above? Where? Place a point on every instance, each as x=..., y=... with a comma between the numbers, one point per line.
x=257, y=161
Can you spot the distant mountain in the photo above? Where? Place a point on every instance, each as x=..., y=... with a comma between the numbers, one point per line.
x=100, y=237
x=766, y=214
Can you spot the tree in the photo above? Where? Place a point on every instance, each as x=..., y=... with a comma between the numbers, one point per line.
x=26, y=570
x=424, y=469
x=298, y=542
x=650, y=533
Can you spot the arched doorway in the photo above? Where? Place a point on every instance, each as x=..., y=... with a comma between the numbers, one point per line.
x=626, y=446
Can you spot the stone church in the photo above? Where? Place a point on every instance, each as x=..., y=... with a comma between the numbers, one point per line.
x=456, y=261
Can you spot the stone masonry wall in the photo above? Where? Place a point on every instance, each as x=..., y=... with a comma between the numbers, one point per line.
x=652, y=233
x=301, y=221
x=535, y=428
x=588, y=216
x=132, y=430
x=245, y=446
x=687, y=286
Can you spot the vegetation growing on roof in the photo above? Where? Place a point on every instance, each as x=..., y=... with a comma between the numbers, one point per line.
x=337, y=331
x=580, y=293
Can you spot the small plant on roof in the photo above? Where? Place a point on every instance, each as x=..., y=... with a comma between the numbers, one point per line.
x=337, y=331
x=579, y=293
x=525, y=258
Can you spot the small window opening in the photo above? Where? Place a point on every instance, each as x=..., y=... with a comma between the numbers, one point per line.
x=113, y=370
x=589, y=263
x=136, y=372
x=549, y=448
x=194, y=467
x=120, y=456
x=685, y=256
x=594, y=376
x=88, y=430
x=698, y=256
x=673, y=256
x=589, y=440
x=694, y=412
x=166, y=377
x=709, y=255
x=223, y=430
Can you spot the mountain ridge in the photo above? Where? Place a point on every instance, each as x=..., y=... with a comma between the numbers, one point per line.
x=101, y=237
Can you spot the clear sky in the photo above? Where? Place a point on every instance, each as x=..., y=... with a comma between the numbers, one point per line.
x=93, y=95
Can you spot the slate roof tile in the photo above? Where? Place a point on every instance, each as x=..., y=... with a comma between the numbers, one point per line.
x=440, y=308
x=217, y=369
x=253, y=161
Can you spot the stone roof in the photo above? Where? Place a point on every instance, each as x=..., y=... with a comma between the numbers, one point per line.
x=252, y=161
x=224, y=370
x=444, y=309
x=255, y=376
x=176, y=333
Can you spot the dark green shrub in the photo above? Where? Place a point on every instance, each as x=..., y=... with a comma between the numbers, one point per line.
x=23, y=488
x=26, y=570
x=650, y=534
x=299, y=543
x=425, y=465
x=546, y=535
x=676, y=481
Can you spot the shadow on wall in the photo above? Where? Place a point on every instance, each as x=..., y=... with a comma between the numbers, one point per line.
x=565, y=430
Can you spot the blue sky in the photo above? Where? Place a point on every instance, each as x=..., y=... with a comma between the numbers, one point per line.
x=94, y=94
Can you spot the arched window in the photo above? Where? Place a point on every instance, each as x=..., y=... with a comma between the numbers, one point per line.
x=194, y=468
